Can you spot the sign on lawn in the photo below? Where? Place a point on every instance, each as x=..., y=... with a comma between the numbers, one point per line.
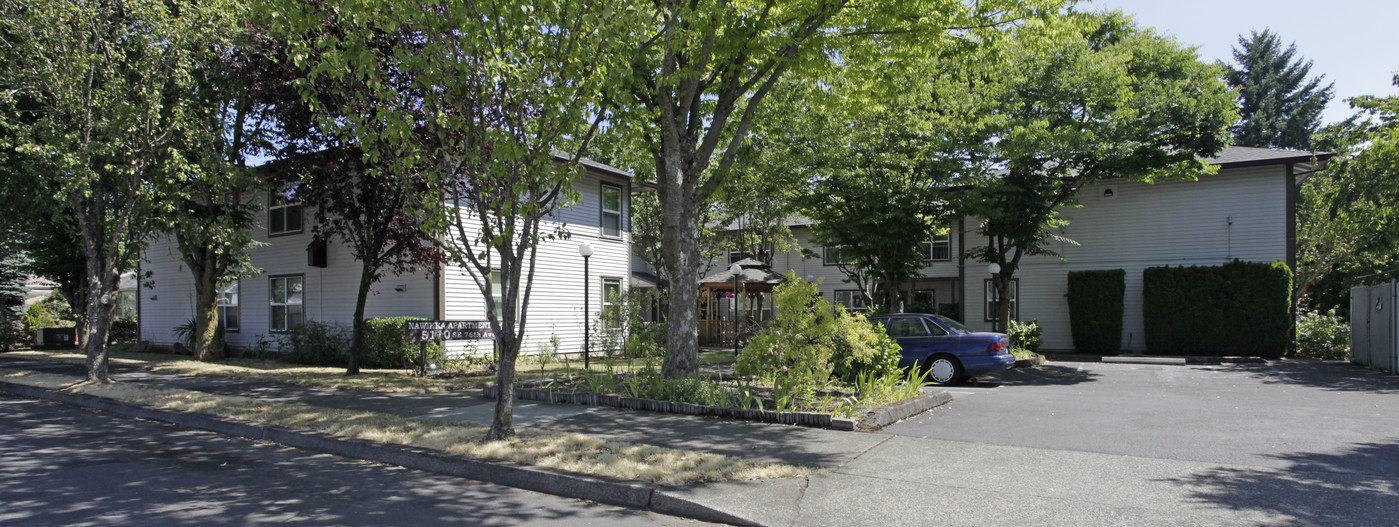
x=430, y=330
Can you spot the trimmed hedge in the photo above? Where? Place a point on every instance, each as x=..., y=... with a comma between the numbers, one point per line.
x=1095, y=310
x=1239, y=308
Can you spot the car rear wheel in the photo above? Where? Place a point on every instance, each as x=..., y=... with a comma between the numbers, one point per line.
x=944, y=369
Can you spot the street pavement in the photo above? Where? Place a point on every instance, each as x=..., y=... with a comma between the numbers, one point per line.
x=61, y=465
x=1287, y=443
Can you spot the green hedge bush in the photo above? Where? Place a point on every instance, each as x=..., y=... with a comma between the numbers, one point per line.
x=385, y=347
x=1239, y=308
x=316, y=344
x=1095, y=310
x=1322, y=336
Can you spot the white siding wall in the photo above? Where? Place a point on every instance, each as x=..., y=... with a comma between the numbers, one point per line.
x=556, y=301
x=329, y=292
x=1167, y=223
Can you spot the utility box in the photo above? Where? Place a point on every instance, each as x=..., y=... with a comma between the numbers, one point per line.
x=1374, y=326
x=55, y=337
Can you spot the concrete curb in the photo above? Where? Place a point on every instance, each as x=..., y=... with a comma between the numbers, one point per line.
x=1029, y=363
x=1156, y=359
x=643, y=496
x=894, y=413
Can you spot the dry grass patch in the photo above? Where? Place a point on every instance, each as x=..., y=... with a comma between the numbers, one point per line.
x=571, y=452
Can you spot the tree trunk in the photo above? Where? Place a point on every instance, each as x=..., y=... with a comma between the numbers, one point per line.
x=101, y=279
x=207, y=345
x=680, y=241
x=366, y=280
x=1002, y=284
x=503, y=420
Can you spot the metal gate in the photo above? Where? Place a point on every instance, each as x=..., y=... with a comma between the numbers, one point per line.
x=1374, y=326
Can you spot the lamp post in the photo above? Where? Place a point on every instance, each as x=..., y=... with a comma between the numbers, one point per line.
x=995, y=270
x=737, y=270
x=585, y=250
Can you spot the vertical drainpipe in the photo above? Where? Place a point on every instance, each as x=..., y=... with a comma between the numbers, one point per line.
x=961, y=289
x=1291, y=180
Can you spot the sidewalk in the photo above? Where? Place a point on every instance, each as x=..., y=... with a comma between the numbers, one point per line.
x=870, y=478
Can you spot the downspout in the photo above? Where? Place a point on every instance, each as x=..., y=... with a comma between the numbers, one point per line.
x=961, y=289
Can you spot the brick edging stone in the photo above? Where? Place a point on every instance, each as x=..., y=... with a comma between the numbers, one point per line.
x=559, y=483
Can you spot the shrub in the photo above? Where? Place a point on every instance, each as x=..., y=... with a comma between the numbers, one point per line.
x=920, y=307
x=806, y=343
x=647, y=342
x=1239, y=308
x=952, y=311
x=1095, y=310
x=1025, y=335
x=385, y=347
x=1322, y=336
x=316, y=344
x=123, y=330
x=51, y=312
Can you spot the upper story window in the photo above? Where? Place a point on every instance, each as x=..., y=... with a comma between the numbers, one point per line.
x=611, y=210
x=832, y=256
x=939, y=248
x=283, y=212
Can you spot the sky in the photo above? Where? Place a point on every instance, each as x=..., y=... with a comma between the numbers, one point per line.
x=1352, y=42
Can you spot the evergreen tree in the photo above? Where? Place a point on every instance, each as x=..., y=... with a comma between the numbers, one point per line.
x=1280, y=106
x=12, y=294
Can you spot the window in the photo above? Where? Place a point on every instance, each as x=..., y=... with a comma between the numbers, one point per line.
x=230, y=316
x=611, y=210
x=991, y=299
x=831, y=256
x=851, y=299
x=285, y=301
x=498, y=295
x=283, y=212
x=925, y=296
x=905, y=327
x=611, y=300
x=939, y=248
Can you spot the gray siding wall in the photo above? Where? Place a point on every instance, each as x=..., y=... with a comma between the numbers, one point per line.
x=1237, y=213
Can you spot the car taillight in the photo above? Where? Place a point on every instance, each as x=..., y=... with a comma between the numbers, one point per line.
x=996, y=346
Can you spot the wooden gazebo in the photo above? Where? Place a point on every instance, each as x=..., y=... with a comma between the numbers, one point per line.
x=720, y=320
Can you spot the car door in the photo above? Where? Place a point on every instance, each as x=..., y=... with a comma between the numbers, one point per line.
x=914, y=338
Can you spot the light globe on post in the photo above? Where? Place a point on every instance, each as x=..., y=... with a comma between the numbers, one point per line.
x=737, y=271
x=585, y=250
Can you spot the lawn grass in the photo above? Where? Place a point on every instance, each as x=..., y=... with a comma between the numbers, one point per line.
x=571, y=452
x=392, y=381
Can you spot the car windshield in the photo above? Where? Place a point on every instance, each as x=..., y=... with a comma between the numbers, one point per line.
x=952, y=325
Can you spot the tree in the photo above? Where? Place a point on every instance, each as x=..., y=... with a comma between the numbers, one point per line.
x=1279, y=106
x=110, y=83
x=1347, y=222
x=209, y=210
x=12, y=293
x=1078, y=101
x=700, y=77
x=496, y=92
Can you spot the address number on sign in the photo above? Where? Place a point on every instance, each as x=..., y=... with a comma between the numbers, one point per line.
x=430, y=330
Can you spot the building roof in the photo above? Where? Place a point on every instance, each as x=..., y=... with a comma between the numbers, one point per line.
x=1247, y=156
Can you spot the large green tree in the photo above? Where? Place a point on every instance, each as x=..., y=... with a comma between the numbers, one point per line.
x=1279, y=105
x=1076, y=101
x=111, y=83
x=1347, y=218
x=498, y=102
x=700, y=77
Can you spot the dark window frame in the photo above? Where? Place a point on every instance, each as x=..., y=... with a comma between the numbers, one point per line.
x=279, y=204
x=988, y=314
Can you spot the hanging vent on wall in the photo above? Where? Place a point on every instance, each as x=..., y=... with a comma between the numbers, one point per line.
x=1109, y=192
x=316, y=254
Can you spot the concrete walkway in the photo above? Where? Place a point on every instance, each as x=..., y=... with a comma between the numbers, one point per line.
x=892, y=479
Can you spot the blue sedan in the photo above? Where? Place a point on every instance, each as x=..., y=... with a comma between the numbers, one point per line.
x=947, y=350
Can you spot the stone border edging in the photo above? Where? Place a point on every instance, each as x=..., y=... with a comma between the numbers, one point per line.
x=876, y=419
x=1029, y=363
x=644, y=496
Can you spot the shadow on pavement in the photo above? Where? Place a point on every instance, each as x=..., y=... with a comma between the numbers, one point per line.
x=1357, y=486
x=1043, y=375
x=65, y=466
x=1326, y=375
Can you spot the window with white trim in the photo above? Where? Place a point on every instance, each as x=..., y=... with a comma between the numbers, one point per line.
x=611, y=210
x=851, y=299
x=611, y=299
x=230, y=315
x=286, y=302
x=939, y=248
x=992, y=297
x=283, y=212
